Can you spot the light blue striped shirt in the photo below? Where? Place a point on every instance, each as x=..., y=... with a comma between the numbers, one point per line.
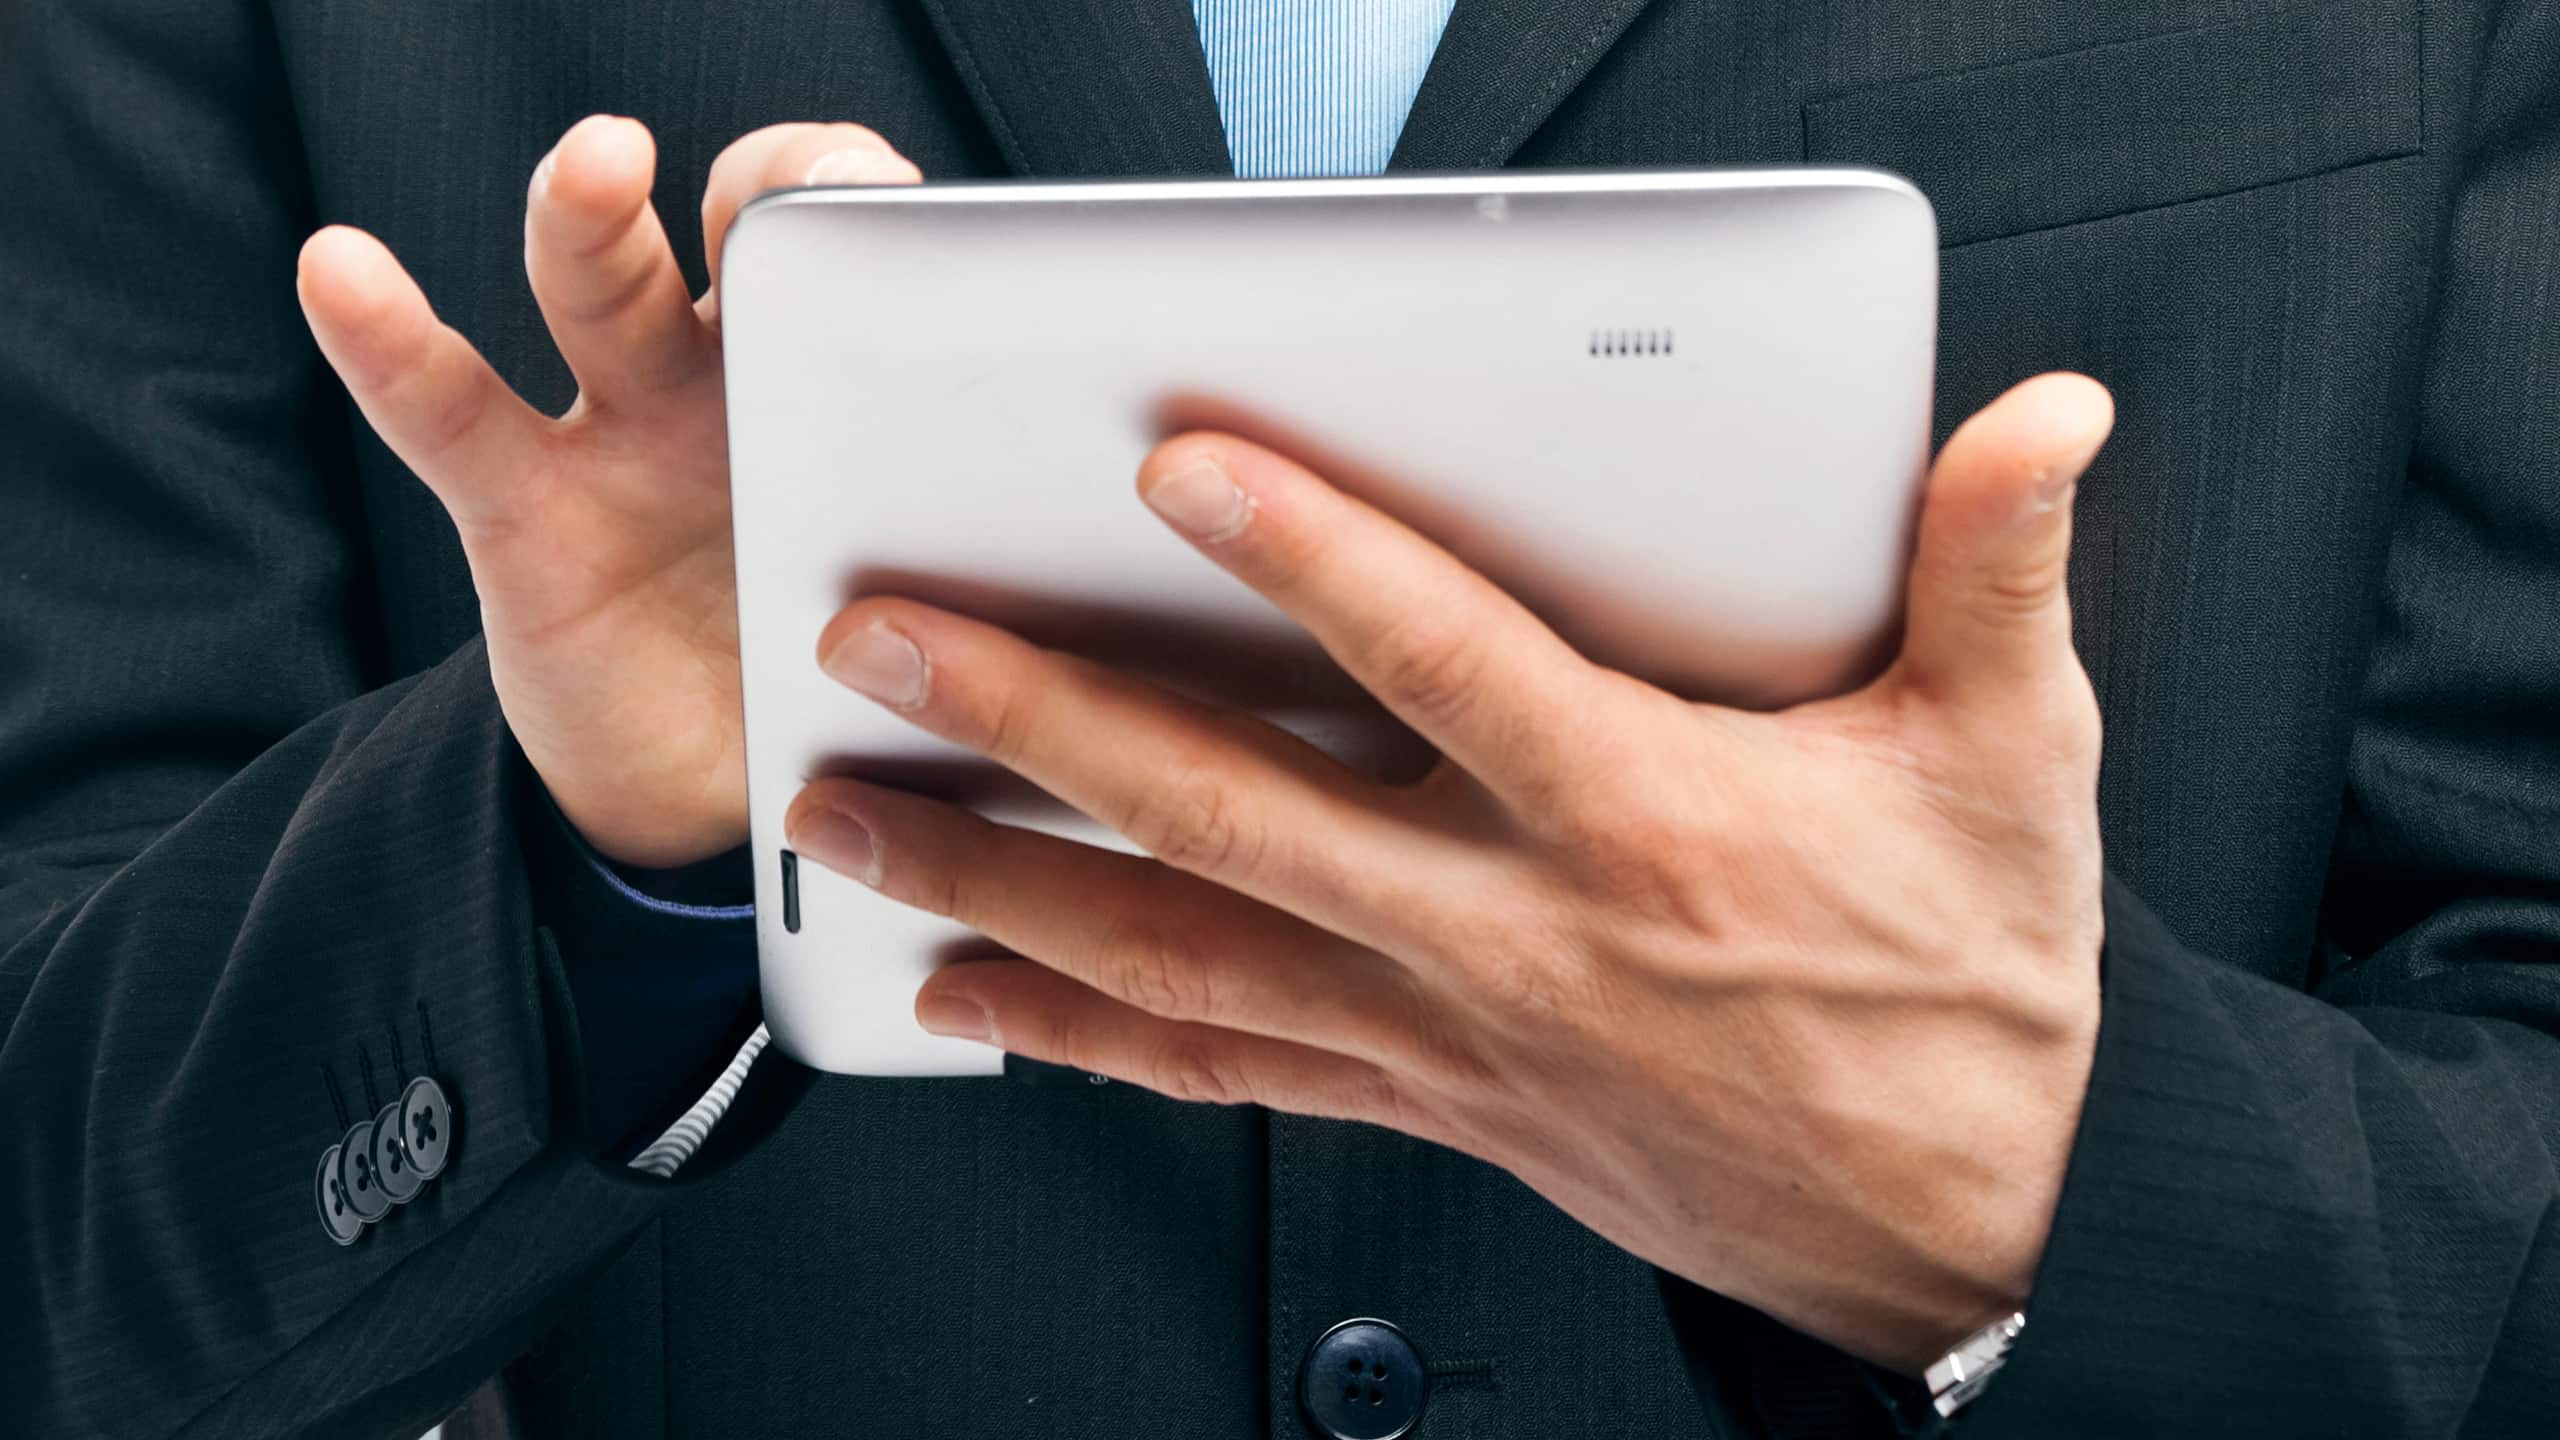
x=1316, y=87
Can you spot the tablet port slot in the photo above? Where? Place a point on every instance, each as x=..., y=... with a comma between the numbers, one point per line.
x=790, y=893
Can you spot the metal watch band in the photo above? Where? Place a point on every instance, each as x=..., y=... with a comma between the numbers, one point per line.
x=1960, y=1374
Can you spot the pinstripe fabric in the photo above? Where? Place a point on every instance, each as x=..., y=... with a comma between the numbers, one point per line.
x=1316, y=87
x=2314, y=1190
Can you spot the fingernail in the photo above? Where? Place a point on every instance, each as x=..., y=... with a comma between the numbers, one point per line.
x=2056, y=484
x=864, y=161
x=838, y=841
x=1201, y=501
x=882, y=664
x=2053, y=490
x=542, y=171
x=959, y=1018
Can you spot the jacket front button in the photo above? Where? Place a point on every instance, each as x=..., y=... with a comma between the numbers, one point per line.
x=336, y=1216
x=1362, y=1380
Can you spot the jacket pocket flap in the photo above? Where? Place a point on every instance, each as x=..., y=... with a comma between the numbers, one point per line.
x=2154, y=121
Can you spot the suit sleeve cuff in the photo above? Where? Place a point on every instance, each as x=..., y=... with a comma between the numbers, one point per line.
x=660, y=968
x=2190, y=1284
x=2163, y=1188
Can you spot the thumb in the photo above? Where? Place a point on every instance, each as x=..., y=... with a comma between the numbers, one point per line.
x=1987, y=605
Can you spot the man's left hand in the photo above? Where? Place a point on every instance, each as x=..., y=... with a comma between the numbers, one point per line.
x=1797, y=1005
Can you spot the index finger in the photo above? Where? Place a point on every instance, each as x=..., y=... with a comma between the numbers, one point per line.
x=1464, y=664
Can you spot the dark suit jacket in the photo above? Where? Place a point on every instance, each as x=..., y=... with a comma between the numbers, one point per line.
x=262, y=831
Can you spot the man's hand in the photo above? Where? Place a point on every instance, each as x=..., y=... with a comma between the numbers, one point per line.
x=1800, y=1006
x=598, y=541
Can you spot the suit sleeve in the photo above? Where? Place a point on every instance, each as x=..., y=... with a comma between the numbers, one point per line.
x=2338, y=1212
x=248, y=892
x=2345, y=1205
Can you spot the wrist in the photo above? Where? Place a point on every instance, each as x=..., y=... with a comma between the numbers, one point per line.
x=639, y=835
x=1958, y=1226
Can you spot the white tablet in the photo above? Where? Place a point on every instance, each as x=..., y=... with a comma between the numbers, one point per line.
x=1684, y=415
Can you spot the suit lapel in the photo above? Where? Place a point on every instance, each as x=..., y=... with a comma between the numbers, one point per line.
x=1502, y=68
x=1088, y=87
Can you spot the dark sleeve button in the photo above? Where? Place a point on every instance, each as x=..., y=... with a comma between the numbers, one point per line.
x=392, y=1168
x=426, y=1127
x=337, y=1216
x=1362, y=1380
x=355, y=1174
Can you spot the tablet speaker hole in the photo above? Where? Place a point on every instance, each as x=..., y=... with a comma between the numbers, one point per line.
x=1614, y=344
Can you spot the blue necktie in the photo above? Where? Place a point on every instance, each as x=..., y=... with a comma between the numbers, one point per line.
x=1316, y=87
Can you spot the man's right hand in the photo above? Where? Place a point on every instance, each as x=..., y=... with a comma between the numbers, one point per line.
x=598, y=541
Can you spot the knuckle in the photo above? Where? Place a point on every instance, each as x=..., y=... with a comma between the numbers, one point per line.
x=1521, y=988
x=1192, y=822
x=1193, y=1068
x=1595, y=816
x=1553, y=985
x=1375, y=1097
x=1687, y=891
x=2079, y=720
x=2026, y=587
x=1286, y=549
x=1427, y=670
x=1461, y=1064
x=449, y=408
x=590, y=236
x=607, y=294
x=1642, y=861
x=1365, y=1094
x=1057, y=1034
x=1005, y=726
x=2052, y=730
x=2064, y=747
x=1625, y=850
x=1161, y=971
x=935, y=889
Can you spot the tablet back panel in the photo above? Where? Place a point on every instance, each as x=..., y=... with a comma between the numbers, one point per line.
x=1684, y=415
